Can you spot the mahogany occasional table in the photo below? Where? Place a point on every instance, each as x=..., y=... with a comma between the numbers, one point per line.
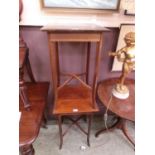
x=124, y=109
x=74, y=101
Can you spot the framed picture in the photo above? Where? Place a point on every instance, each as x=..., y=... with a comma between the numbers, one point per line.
x=129, y=8
x=81, y=5
x=128, y=13
x=124, y=29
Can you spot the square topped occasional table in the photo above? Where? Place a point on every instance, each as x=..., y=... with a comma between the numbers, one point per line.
x=80, y=99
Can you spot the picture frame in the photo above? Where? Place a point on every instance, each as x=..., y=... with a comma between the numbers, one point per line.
x=82, y=6
x=129, y=7
x=124, y=29
x=128, y=13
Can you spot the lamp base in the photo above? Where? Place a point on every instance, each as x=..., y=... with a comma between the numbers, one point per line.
x=121, y=92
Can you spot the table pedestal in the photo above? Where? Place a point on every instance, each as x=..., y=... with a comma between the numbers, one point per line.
x=120, y=124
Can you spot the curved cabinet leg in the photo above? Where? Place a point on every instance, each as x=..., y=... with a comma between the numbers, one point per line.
x=27, y=150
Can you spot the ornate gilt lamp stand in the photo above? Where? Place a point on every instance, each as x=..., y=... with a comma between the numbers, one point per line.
x=125, y=55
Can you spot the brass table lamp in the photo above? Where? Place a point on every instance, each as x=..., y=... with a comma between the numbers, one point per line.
x=127, y=56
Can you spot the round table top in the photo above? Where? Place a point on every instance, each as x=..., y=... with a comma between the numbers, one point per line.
x=124, y=108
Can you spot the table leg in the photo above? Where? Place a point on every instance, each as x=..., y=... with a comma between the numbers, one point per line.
x=109, y=128
x=120, y=124
x=60, y=131
x=27, y=150
x=74, y=122
x=87, y=62
x=125, y=131
x=89, y=127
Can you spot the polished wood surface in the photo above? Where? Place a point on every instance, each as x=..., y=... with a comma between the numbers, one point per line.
x=76, y=99
x=123, y=108
x=30, y=121
x=74, y=27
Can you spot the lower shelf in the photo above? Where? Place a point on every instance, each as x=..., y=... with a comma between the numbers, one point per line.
x=74, y=99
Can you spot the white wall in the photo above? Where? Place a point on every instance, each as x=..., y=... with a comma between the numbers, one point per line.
x=34, y=15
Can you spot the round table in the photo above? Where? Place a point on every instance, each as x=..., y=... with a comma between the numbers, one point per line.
x=123, y=108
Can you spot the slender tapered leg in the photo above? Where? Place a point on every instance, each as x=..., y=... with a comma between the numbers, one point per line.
x=57, y=62
x=87, y=62
x=89, y=127
x=60, y=131
x=97, y=63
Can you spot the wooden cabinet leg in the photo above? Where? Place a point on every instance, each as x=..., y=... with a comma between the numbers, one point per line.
x=27, y=150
